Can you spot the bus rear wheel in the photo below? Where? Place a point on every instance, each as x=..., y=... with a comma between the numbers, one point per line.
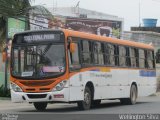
x=86, y=103
x=40, y=106
x=133, y=97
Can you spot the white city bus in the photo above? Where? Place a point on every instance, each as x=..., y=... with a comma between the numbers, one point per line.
x=50, y=66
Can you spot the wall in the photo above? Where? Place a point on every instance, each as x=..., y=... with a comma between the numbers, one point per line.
x=2, y=73
x=144, y=37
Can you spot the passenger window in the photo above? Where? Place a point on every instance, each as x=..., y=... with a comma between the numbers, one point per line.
x=137, y=57
x=116, y=55
x=122, y=56
x=128, y=60
x=133, y=58
x=95, y=53
x=150, y=59
x=86, y=52
x=98, y=53
x=109, y=54
x=141, y=58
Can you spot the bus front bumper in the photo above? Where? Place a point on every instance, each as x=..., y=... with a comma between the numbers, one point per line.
x=60, y=96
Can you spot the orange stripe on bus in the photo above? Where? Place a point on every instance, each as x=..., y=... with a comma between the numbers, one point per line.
x=107, y=39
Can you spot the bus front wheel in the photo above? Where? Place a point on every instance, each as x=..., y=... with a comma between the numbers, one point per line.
x=133, y=97
x=40, y=106
x=86, y=103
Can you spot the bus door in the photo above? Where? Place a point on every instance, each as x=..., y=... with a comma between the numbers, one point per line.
x=76, y=82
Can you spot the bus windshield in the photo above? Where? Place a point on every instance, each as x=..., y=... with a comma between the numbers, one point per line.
x=38, y=60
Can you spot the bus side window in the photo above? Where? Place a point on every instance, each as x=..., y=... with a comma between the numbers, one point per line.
x=150, y=59
x=137, y=57
x=122, y=56
x=146, y=59
x=154, y=64
x=74, y=60
x=141, y=58
x=116, y=55
x=86, y=54
x=107, y=52
x=132, y=57
x=95, y=52
x=109, y=55
x=128, y=59
x=98, y=53
x=103, y=53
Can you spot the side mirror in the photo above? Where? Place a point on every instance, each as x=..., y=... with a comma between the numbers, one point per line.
x=4, y=56
x=72, y=47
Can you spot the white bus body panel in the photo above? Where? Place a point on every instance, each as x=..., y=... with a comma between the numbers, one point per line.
x=115, y=83
x=108, y=84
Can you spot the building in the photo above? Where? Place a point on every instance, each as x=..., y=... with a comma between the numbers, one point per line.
x=149, y=33
x=89, y=21
x=80, y=12
x=147, y=37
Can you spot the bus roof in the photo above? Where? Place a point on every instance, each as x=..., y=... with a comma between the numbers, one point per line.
x=97, y=37
x=107, y=39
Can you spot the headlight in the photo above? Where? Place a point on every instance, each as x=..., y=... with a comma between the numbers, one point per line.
x=60, y=86
x=15, y=87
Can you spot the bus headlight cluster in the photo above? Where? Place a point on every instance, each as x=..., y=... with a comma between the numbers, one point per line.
x=15, y=87
x=60, y=86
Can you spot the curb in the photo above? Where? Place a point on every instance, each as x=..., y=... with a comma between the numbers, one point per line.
x=156, y=94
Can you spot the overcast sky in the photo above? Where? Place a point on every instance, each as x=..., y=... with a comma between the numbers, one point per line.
x=127, y=9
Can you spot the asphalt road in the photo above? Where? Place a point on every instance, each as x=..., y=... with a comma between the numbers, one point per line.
x=147, y=105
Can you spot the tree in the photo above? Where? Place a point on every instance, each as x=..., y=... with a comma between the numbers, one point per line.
x=12, y=8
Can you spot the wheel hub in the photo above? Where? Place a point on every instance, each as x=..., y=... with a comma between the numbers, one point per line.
x=87, y=98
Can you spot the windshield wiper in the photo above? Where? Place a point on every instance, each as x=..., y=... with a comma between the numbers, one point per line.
x=46, y=49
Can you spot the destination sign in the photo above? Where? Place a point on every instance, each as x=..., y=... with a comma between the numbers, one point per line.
x=41, y=38
x=37, y=37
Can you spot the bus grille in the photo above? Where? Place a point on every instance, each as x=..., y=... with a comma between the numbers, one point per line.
x=34, y=96
x=36, y=83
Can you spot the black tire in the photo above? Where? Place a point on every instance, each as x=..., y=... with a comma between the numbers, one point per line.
x=40, y=106
x=133, y=97
x=86, y=103
x=95, y=103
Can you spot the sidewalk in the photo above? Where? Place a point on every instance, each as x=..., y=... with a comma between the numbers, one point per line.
x=5, y=98
x=157, y=93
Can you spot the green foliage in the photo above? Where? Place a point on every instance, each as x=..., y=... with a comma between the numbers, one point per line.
x=116, y=32
x=2, y=32
x=13, y=7
x=4, y=93
x=9, y=8
x=16, y=8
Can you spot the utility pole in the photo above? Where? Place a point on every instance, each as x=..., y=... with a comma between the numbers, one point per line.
x=6, y=67
x=53, y=7
x=6, y=70
x=139, y=13
x=77, y=8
